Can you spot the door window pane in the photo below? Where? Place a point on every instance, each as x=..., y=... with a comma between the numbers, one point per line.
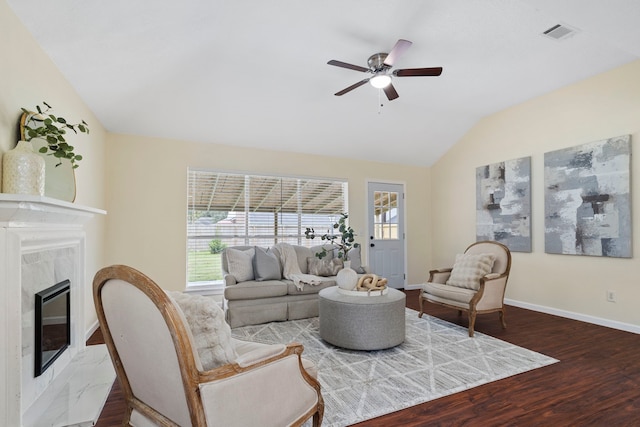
x=385, y=208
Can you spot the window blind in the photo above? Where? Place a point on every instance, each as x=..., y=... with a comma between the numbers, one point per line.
x=228, y=209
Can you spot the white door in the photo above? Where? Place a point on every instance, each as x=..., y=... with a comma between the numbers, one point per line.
x=386, y=231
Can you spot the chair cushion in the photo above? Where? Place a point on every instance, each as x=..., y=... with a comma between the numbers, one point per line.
x=324, y=267
x=469, y=268
x=266, y=265
x=211, y=333
x=240, y=263
x=446, y=293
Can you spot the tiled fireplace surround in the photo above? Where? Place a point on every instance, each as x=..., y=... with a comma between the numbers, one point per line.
x=42, y=242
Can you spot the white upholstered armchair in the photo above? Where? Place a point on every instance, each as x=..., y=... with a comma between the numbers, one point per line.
x=161, y=371
x=476, y=283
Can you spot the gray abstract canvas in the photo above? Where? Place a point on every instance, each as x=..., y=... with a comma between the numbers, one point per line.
x=503, y=203
x=587, y=199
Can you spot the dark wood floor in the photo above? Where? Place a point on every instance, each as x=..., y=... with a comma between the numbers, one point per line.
x=596, y=383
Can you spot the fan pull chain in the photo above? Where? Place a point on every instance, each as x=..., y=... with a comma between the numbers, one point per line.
x=380, y=104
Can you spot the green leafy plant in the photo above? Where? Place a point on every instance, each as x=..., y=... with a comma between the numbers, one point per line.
x=51, y=128
x=216, y=246
x=346, y=238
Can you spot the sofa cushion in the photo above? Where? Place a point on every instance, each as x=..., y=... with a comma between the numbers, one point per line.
x=240, y=263
x=324, y=267
x=254, y=290
x=309, y=289
x=302, y=253
x=211, y=333
x=266, y=265
x=469, y=268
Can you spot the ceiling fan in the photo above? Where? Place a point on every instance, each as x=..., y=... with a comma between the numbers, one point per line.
x=380, y=66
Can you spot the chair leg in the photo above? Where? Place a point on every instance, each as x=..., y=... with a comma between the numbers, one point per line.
x=420, y=303
x=502, y=314
x=472, y=322
x=317, y=419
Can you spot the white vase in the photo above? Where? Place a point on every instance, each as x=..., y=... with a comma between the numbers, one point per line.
x=23, y=170
x=347, y=278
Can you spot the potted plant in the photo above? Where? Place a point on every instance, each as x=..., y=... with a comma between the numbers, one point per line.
x=344, y=240
x=52, y=129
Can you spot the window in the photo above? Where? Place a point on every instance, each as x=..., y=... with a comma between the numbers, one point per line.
x=226, y=209
x=386, y=215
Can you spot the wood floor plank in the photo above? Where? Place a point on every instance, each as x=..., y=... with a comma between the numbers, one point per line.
x=596, y=382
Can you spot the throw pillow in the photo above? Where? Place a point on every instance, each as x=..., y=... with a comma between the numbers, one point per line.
x=355, y=258
x=469, y=268
x=240, y=263
x=211, y=334
x=324, y=267
x=266, y=265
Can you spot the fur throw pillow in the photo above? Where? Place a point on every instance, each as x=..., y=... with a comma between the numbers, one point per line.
x=211, y=333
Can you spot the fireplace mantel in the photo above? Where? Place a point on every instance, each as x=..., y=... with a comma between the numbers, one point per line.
x=20, y=210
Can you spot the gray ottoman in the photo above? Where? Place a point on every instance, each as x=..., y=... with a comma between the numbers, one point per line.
x=362, y=322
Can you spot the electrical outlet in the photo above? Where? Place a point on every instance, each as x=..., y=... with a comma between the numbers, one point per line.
x=611, y=296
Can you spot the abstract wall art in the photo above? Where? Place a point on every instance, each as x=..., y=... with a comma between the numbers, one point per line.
x=587, y=199
x=503, y=203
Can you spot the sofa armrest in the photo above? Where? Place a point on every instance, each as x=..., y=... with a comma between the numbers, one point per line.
x=229, y=280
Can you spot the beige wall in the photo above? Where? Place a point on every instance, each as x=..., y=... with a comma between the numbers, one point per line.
x=598, y=108
x=28, y=78
x=141, y=182
x=147, y=183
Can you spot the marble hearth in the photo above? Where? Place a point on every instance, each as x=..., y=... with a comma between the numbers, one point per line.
x=42, y=242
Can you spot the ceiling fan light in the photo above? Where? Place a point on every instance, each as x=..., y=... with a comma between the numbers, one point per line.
x=380, y=80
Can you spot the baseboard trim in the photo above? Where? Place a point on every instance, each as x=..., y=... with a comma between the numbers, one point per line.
x=92, y=329
x=628, y=327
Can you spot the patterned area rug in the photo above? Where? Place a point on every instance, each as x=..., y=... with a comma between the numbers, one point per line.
x=437, y=359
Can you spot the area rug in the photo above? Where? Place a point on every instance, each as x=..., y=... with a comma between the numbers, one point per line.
x=436, y=359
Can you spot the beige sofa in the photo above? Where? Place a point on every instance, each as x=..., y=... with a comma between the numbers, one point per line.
x=256, y=292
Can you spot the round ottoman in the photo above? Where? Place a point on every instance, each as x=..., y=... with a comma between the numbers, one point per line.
x=362, y=322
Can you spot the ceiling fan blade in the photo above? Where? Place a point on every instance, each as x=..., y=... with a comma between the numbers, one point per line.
x=349, y=66
x=352, y=87
x=417, y=72
x=390, y=91
x=398, y=49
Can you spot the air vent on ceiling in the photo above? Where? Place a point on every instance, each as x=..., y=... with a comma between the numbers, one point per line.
x=560, y=32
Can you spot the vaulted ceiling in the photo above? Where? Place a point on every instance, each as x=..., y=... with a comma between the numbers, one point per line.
x=254, y=73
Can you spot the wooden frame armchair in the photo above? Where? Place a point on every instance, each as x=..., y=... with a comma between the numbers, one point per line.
x=161, y=374
x=481, y=294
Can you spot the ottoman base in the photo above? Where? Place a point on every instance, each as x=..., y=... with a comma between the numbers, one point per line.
x=362, y=323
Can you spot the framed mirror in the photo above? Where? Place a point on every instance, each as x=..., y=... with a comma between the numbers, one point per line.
x=60, y=180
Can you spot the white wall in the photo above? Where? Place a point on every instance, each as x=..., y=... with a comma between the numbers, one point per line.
x=597, y=108
x=29, y=77
x=147, y=198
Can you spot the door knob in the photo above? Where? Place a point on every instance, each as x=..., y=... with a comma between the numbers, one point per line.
x=372, y=245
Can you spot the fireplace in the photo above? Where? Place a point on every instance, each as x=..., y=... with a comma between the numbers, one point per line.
x=52, y=325
x=42, y=243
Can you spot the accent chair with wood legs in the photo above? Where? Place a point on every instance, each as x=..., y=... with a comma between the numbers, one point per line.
x=167, y=378
x=475, y=284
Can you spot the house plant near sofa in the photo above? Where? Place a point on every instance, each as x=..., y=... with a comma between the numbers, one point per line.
x=347, y=278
